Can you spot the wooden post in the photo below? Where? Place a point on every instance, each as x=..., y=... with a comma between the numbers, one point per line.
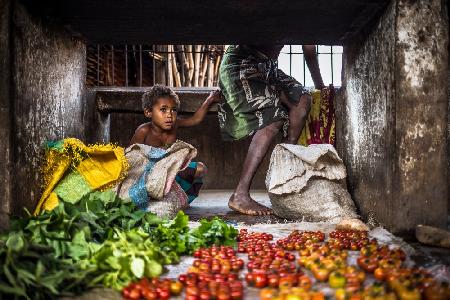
x=204, y=67
x=197, y=57
x=216, y=69
x=160, y=65
x=169, y=66
x=176, y=73
x=190, y=60
x=210, y=76
x=181, y=55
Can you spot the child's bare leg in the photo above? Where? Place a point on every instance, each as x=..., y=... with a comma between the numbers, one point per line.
x=297, y=117
x=240, y=200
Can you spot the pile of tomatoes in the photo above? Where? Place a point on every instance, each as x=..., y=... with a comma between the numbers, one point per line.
x=214, y=274
x=350, y=239
x=296, y=240
x=274, y=268
x=328, y=263
x=293, y=293
x=380, y=260
x=152, y=289
x=269, y=263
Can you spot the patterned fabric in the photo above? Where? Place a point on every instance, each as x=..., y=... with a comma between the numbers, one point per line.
x=150, y=183
x=72, y=169
x=190, y=185
x=138, y=190
x=251, y=84
x=321, y=122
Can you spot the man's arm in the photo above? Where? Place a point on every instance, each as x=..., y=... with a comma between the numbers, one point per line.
x=200, y=114
x=313, y=65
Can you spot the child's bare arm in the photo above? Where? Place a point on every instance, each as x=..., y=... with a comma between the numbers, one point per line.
x=139, y=135
x=313, y=65
x=200, y=114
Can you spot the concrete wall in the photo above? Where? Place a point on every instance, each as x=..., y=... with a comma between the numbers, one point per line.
x=395, y=116
x=5, y=110
x=45, y=102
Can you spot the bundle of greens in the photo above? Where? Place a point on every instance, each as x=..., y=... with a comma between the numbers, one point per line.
x=125, y=258
x=32, y=271
x=99, y=240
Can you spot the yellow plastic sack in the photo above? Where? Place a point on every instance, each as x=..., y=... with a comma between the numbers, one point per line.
x=101, y=165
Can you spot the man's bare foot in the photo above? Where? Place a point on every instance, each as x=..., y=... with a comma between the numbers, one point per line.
x=246, y=205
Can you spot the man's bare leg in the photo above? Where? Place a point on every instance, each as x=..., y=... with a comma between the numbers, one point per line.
x=240, y=200
x=297, y=117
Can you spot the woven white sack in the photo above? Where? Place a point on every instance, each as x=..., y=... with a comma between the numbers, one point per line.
x=308, y=183
x=163, y=194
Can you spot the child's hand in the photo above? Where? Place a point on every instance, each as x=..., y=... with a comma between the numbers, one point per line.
x=215, y=97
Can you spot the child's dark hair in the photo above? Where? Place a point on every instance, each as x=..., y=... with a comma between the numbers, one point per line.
x=150, y=97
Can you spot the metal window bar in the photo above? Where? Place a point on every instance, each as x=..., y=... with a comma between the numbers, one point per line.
x=330, y=53
x=151, y=52
x=332, y=66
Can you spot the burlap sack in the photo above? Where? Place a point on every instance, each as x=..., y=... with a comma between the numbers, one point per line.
x=150, y=182
x=308, y=183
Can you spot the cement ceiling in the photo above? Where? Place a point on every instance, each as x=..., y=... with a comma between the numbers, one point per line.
x=232, y=21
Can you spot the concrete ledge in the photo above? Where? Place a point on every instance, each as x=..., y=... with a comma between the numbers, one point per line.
x=128, y=99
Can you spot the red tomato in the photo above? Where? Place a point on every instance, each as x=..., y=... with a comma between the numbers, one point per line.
x=163, y=293
x=149, y=294
x=379, y=274
x=260, y=280
x=250, y=279
x=223, y=295
x=205, y=295
x=285, y=282
x=192, y=290
x=236, y=295
x=126, y=292
x=272, y=280
x=135, y=294
x=304, y=282
x=267, y=294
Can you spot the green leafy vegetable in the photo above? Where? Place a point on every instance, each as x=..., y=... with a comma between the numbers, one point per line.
x=100, y=240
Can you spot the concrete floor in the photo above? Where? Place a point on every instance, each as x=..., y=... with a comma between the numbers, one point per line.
x=212, y=203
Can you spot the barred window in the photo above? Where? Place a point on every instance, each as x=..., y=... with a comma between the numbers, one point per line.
x=292, y=62
x=191, y=65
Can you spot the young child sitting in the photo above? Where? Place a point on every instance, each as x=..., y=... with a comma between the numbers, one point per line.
x=161, y=104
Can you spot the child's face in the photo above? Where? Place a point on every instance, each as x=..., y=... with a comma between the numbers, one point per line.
x=163, y=113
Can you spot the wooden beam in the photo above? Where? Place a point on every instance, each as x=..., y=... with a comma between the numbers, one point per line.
x=128, y=100
x=219, y=22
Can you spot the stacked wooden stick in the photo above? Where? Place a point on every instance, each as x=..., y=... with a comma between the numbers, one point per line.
x=172, y=65
x=187, y=65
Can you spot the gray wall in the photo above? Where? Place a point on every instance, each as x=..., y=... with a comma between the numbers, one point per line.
x=394, y=117
x=5, y=111
x=45, y=100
